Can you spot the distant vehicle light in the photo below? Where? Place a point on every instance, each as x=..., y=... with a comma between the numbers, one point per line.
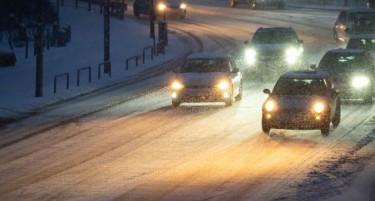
x=319, y=107
x=250, y=56
x=183, y=6
x=270, y=106
x=359, y=82
x=177, y=85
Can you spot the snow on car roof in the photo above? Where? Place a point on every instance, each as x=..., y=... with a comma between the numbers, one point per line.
x=305, y=74
x=206, y=55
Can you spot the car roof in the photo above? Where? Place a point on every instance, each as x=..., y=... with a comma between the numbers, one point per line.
x=356, y=10
x=363, y=36
x=209, y=55
x=274, y=28
x=346, y=51
x=313, y=74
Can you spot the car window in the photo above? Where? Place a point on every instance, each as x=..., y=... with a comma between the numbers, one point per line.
x=335, y=63
x=362, y=43
x=205, y=65
x=275, y=37
x=300, y=86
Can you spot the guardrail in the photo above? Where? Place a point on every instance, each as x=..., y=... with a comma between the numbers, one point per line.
x=79, y=73
x=130, y=59
x=55, y=81
x=151, y=48
x=106, y=68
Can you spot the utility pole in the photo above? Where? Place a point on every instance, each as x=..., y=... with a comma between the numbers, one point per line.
x=39, y=52
x=107, y=65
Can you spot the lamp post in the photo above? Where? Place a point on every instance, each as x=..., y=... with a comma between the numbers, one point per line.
x=162, y=8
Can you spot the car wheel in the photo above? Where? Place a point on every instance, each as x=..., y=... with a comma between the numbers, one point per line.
x=232, y=3
x=368, y=99
x=337, y=117
x=239, y=96
x=326, y=128
x=176, y=103
x=229, y=102
x=265, y=127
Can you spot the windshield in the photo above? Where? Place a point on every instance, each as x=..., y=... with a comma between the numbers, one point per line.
x=300, y=86
x=364, y=43
x=274, y=37
x=344, y=62
x=205, y=65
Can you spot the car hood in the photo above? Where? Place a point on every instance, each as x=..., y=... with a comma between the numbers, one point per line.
x=296, y=102
x=201, y=79
x=282, y=46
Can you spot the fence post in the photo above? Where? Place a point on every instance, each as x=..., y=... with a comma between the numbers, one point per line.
x=104, y=64
x=27, y=47
x=76, y=3
x=55, y=81
x=89, y=5
x=82, y=69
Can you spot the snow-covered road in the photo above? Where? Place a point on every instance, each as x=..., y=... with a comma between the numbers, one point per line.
x=130, y=144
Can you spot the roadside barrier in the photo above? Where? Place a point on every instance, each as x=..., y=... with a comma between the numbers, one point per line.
x=130, y=59
x=88, y=68
x=151, y=48
x=66, y=75
x=106, y=68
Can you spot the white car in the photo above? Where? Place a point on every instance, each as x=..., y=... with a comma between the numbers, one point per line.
x=207, y=77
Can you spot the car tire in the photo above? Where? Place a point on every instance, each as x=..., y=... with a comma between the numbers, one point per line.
x=239, y=96
x=176, y=103
x=229, y=102
x=265, y=127
x=326, y=128
x=337, y=118
x=232, y=3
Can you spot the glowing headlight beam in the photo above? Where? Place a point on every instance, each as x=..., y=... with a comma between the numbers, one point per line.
x=183, y=6
x=360, y=82
x=270, y=106
x=292, y=55
x=176, y=85
x=223, y=85
x=318, y=107
x=250, y=56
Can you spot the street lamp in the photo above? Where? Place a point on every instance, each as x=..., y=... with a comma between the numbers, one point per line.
x=162, y=8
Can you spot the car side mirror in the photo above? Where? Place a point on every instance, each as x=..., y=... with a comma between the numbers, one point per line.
x=313, y=67
x=267, y=91
x=235, y=70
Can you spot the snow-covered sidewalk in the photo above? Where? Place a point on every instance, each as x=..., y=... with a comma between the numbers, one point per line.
x=128, y=38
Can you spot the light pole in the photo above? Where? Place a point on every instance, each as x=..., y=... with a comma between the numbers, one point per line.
x=162, y=8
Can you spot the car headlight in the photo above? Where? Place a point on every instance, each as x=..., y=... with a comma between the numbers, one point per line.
x=177, y=85
x=183, y=6
x=250, y=56
x=359, y=82
x=292, y=55
x=161, y=6
x=270, y=106
x=319, y=107
x=223, y=85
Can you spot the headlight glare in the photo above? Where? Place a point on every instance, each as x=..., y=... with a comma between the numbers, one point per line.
x=177, y=85
x=319, y=107
x=223, y=85
x=270, y=106
x=292, y=55
x=183, y=6
x=250, y=56
x=360, y=82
